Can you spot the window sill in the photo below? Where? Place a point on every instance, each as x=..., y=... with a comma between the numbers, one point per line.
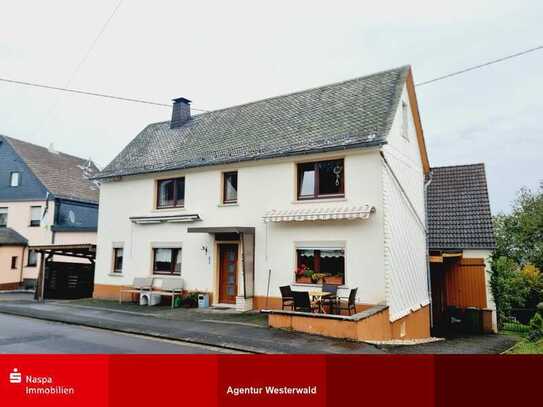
x=159, y=210
x=166, y=275
x=223, y=205
x=34, y=226
x=31, y=265
x=318, y=200
x=115, y=274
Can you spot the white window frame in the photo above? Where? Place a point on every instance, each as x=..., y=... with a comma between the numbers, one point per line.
x=14, y=176
x=32, y=209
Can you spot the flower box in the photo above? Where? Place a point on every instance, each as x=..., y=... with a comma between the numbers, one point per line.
x=303, y=280
x=336, y=280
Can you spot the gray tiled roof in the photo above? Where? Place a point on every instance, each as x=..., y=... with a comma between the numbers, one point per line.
x=9, y=237
x=350, y=114
x=458, y=208
x=65, y=176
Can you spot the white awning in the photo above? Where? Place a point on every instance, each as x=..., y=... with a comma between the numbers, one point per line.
x=305, y=214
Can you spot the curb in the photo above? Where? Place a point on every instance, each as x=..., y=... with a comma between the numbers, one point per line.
x=139, y=332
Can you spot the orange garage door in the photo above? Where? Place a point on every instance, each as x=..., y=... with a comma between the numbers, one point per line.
x=465, y=281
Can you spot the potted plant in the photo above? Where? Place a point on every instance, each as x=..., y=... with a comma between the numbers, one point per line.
x=304, y=274
x=317, y=278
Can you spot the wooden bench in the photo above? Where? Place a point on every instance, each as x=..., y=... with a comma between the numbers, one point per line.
x=139, y=285
x=169, y=287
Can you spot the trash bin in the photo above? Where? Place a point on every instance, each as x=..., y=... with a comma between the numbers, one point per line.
x=473, y=321
x=203, y=300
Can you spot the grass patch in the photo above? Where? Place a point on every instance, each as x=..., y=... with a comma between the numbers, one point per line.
x=525, y=347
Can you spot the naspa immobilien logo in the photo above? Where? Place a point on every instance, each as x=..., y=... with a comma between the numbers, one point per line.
x=39, y=385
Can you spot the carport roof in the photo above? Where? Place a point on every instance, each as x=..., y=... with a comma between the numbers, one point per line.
x=85, y=250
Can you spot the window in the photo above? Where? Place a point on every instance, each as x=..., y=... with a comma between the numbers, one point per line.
x=171, y=193
x=35, y=215
x=323, y=179
x=230, y=187
x=14, y=179
x=118, y=260
x=405, y=121
x=320, y=265
x=13, y=262
x=167, y=261
x=3, y=217
x=32, y=259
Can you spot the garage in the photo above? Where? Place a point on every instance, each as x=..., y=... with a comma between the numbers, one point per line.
x=65, y=271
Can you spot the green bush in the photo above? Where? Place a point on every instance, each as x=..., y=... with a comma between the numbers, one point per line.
x=536, y=328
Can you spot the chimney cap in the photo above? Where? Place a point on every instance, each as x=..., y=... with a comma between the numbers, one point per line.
x=182, y=100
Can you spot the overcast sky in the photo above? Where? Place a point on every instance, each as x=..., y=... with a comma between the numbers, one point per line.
x=224, y=53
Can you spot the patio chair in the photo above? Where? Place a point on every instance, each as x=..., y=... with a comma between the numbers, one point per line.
x=330, y=300
x=348, y=305
x=286, y=297
x=139, y=285
x=302, y=302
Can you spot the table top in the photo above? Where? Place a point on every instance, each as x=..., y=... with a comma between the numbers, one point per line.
x=319, y=293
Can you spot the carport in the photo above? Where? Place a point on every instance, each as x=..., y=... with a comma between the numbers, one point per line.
x=65, y=280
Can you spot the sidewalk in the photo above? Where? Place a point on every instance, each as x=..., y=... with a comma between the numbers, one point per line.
x=225, y=334
x=242, y=332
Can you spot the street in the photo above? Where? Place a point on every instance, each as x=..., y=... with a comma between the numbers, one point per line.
x=27, y=335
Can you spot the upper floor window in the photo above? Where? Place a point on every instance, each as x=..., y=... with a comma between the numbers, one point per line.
x=321, y=179
x=405, y=121
x=35, y=215
x=14, y=179
x=118, y=260
x=167, y=261
x=230, y=187
x=32, y=259
x=171, y=193
x=3, y=217
x=13, y=262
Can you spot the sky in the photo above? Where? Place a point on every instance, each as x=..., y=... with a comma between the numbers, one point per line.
x=220, y=54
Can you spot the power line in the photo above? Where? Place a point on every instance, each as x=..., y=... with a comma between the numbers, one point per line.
x=84, y=92
x=472, y=68
x=79, y=65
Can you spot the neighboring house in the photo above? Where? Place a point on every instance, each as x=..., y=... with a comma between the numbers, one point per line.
x=238, y=201
x=47, y=198
x=461, y=240
x=12, y=252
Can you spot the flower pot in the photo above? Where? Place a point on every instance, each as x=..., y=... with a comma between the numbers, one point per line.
x=303, y=280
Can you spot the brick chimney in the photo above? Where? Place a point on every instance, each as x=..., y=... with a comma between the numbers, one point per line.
x=180, y=112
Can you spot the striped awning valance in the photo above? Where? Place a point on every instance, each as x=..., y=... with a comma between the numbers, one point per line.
x=308, y=214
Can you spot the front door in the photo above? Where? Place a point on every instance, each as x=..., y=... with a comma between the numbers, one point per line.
x=228, y=273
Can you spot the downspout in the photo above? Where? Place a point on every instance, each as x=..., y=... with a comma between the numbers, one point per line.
x=22, y=265
x=428, y=275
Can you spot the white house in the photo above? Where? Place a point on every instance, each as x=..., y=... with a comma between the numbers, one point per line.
x=238, y=201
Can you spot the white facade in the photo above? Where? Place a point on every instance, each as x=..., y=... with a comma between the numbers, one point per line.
x=375, y=252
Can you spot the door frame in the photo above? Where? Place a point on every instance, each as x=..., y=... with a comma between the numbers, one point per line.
x=217, y=269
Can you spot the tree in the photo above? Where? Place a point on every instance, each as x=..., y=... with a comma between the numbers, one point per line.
x=516, y=280
x=519, y=235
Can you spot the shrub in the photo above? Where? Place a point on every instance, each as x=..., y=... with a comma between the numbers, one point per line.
x=536, y=328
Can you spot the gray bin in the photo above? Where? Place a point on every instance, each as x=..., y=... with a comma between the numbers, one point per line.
x=203, y=300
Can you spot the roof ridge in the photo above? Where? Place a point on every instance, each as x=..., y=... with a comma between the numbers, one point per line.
x=458, y=165
x=44, y=148
x=403, y=67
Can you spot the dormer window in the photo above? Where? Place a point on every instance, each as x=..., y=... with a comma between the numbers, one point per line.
x=14, y=179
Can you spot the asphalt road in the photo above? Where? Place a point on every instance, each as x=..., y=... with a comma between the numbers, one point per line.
x=27, y=335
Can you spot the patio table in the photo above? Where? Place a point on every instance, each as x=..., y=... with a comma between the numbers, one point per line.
x=317, y=297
